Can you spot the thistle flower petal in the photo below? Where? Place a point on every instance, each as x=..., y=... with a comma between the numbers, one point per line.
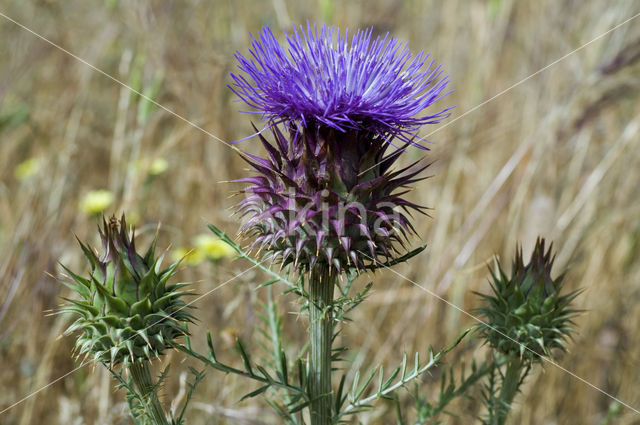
x=328, y=79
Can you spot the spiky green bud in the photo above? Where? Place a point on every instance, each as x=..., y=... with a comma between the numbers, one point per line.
x=126, y=310
x=527, y=315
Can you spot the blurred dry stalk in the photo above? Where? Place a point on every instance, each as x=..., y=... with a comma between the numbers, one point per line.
x=558, y=156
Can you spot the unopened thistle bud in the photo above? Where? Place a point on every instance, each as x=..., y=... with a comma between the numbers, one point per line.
x=527, y=315
x=126, y=309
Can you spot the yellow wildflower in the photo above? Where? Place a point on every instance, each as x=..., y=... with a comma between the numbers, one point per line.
x=158, y=166
x=152, y=167
x=27, y=168
x=96, y=201
x=191, y=257
x=213, y=247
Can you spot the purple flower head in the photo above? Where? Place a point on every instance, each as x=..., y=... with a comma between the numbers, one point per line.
x=323, y=80
x=331, y=193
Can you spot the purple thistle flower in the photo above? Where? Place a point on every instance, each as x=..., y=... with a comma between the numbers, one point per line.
x=321, y=80
x=329, y=194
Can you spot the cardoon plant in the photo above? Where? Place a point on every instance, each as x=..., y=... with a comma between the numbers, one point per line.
x=527, y=318
x=327, y=199
x=127, y=313
x=327, y=202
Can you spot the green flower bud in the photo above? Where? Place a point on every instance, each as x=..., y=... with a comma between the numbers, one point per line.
x=527, y=315
x=126, y=310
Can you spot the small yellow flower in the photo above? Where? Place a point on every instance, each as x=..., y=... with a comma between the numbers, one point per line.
x=213, y=247
x=27, y=168
x=133, y=218
x=158, y=166
x=96, y=201
x=189, y=257
x=152, y=167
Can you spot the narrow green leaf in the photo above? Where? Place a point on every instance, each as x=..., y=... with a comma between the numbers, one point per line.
x=256, y=392
x=245, y=357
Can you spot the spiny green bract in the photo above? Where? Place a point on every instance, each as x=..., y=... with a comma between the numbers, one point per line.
x=126, y=310
x=526, y=315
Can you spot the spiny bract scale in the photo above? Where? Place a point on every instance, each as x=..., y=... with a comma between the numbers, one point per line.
x=328, y=198
x=527, y=314
x=126, y=310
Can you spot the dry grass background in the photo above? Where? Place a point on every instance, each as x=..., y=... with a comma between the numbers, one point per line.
x=557, y=156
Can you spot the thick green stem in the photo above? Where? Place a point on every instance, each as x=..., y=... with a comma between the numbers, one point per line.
x=321, y=284
x=144, y=383
x=510, y=384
